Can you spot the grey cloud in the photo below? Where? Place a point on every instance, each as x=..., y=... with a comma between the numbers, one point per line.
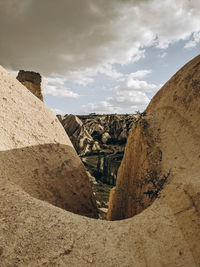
x=55, y=86
x=65, y=36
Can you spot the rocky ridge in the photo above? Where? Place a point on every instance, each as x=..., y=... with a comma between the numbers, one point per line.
x=92, y=133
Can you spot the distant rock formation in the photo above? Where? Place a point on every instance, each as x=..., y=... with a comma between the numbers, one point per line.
x=32, y=81
x=35, y=233
x=36, y=153
x=90, y=133
x=77, y=133
x=162, y=158
x=100, y=141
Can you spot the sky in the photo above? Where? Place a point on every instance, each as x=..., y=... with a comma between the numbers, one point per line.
x=102, y=56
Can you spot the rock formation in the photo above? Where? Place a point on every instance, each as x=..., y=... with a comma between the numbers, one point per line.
x=99, y=138
x=36, y=233
x=90, y=133
x=32, y=81
x=162, y=157
x=37, y=155
x=77, y=133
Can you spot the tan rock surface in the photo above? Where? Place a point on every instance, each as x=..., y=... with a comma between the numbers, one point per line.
x=32, y=81
x=37, y=154
x=163, y=151
x=36, y=233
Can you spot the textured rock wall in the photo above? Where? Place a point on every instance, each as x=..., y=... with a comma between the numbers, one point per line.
x=90, y=133
x=32, y=81
x=37, y=154
x=139, y=171
x=36, y=233
x=173, y=117
x=167, y=133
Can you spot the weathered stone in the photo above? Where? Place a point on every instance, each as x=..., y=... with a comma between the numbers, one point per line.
x=71, y=124
x=162, y=159
x=32, y=81
x=90, y=133
x=105, y=137
x=35, y=233
x=37, y=154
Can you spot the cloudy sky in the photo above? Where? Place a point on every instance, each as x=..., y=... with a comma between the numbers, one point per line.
x=103, y=56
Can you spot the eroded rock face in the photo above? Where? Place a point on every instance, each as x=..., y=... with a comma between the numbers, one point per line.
x=162, y=157
x=77, y=133
x=35, y=233
x=90, y=133
x=100, y=141
x=165, y=137
x=37, y=155
x=139, y=171
x=32, y=81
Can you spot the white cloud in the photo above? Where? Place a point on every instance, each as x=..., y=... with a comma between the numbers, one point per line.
x=124, y=99
x=131, y=94
x=103, y=107
x=85, y=77
x=57, y=111
x=162, y=55
x=122, y=102
x=195, y=40
x=139, y=74
x=137, y=85
x=55, y=86
x=130, y=83
x=13, y=73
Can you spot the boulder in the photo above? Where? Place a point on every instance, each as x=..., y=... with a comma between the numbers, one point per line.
x=94, y=127
x=78, y=134
x=71, y=123
x=162, y=158
x=95, y=146
x=37, y=155
x=105, y=137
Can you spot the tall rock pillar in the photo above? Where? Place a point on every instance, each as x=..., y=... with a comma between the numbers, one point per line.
x=32, y=81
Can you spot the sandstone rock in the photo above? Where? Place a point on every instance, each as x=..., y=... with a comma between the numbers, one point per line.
x=123, y=135
x=71, y=123
x=97, y=128
x=95, y=146
x=36, y=233
x=37, y=155
x=60, y=117
x=105, y=137
x=32, y=81
x=162, y=159
x=94, y=127
x=81, y=139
